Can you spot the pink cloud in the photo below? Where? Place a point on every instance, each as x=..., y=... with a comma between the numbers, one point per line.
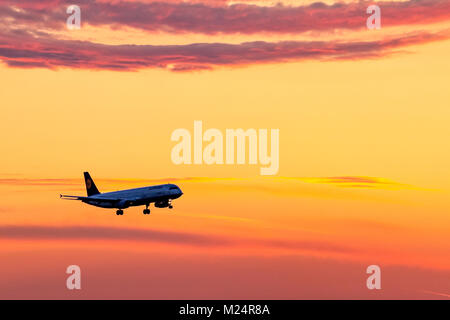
x=19, y=48
x=218, y=17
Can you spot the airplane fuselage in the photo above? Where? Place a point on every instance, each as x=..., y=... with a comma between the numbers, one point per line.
x=159, y=194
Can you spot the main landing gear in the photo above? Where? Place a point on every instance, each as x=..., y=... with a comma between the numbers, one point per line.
x=146, y=210
x=119, y=212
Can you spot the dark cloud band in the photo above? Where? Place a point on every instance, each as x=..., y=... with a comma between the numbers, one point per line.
x=19, y=48
x=107, y=233
x=92, y=233
x=215, y=17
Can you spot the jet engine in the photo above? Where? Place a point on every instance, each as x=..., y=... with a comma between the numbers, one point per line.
x=162, y=204
x=123, y=204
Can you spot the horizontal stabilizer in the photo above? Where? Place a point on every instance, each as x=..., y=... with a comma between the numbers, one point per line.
x=67, y=197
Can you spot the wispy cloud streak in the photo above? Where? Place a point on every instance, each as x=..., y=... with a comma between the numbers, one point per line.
x=19, y=48
x=441, y=294
x=91, y=233
x=338, y=181
x=343, y=181
x=353, y=182
x=357, y=182
x=107, y=233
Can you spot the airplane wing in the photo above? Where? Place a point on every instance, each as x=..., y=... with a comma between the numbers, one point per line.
x=68, y=197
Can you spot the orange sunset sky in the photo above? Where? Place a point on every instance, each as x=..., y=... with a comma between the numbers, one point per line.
x=364, y=159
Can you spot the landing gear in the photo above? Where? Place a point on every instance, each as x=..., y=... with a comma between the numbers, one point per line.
x=119, y=212
x=170, y=204
x=146, y=210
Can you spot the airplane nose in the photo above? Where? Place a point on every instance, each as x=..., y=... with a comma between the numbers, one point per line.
x=177, y=193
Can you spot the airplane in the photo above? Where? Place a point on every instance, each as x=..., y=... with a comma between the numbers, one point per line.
x=162, y=195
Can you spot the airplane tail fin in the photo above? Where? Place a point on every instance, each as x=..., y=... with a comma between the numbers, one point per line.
x=90, y=185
